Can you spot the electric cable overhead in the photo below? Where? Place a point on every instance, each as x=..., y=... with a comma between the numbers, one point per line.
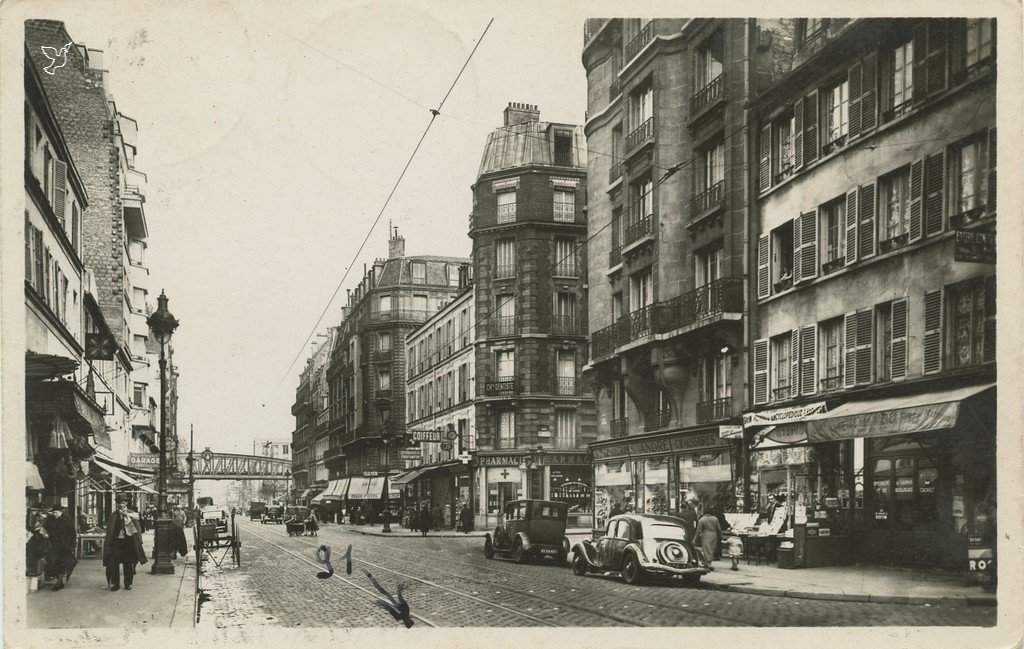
x=434, y=112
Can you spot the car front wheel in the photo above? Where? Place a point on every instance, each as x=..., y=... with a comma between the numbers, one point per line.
x=518, y=554
x=632, y=573
x=488, y=548
x=579, y=564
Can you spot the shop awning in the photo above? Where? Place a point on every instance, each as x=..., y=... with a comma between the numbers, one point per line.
x=366, y=488
x=902, y=415
x=335, y=491
x=117, y=472
x=403, y=479
x=32, y=478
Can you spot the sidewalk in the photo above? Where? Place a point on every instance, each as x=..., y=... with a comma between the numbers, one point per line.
x=396, y=530
x=162, y=601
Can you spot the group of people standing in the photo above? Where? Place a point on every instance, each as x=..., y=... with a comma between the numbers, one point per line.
x=52, y=541
x=423, y=519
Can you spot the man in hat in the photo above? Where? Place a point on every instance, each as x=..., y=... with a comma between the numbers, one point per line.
x=123, y=546
x=60, y=558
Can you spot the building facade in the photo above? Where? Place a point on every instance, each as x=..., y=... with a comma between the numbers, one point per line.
x=534, y=416
x=308, y=445
x=873, y=301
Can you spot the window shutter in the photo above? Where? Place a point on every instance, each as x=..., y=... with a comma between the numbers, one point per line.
x=37, y=240
x=869, y=96
x=933, y=212
x=991, y=199
x=937, y=29
x=855, y=77
x=933, y=332
x=866, y=228
x=798, y=134
x=765, y=157
x=761, y=371
x=989, y=349
x=60, y=172
x=28, y=249
x=917, y=200
x=808, y=233
x=864, y=343
x=763, y=270
x=797, y=265
x=811, y=127
x=898, y=343
x=920, y=88
x=808, y=359
x=794, y=363
x=850, y=350
x=47, y=270
x=851, y=227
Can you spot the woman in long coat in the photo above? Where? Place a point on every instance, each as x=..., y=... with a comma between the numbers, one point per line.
x=123, y=545
x=709, y=533
x=426, y=520
x=60, y=558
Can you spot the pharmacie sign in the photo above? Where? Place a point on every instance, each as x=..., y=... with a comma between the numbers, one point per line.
x=657, y=446
x=543, y=459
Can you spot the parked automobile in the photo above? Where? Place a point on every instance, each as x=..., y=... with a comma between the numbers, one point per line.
x=273, y=514
x=256, y=509
x=531, y=529
x=216, y=515
x=639, y=546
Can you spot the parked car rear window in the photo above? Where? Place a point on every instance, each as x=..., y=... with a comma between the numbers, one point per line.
x=667, y=532
x=550, y=511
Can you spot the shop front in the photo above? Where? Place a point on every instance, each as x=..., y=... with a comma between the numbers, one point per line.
x=654, y=473
x=542, y=474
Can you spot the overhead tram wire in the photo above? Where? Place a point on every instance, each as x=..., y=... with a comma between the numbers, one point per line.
x=434, y=112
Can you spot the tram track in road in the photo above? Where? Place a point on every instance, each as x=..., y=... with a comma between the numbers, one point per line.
x=533, y=596
x=428, y=583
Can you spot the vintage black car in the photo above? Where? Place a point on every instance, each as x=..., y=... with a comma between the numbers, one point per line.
x=531, y=529
x=256, y=509
x=638, y=546
x=273, y=514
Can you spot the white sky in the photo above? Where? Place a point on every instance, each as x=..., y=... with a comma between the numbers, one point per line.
x=267, y=161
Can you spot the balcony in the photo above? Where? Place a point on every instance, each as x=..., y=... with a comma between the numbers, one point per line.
x=565, y=211
x=707, y=201
x=382, y=355
x=382, y=393
x=615, y=172
x=641, y=229
x=563, y=158
x=502, y=387
x=333, y=452
x=505, y=442
x=619, y=427
x=641, y=135
x=506, y=213
x=567, y=325
x=888, y=245
x=567, y=386
x=714, y=410
x=641, y=323
x=567, y=268
x=706, y=97
x=562, y=442
x=504, y=271
x=615, y=257
x=720, y=296
x=507, y=325
x=615, y=89
x=396, y=315
x=643, y=37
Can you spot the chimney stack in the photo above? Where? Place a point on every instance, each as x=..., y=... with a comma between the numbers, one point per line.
x=519, y=113
x=396, y=246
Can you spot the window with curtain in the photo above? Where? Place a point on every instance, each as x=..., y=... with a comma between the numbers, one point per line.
x=506, y=364
x=837, y=111
x=565, y=427
x=894, y=203
x=505, y=262
x=970, y=184
x=506, y=429
x=565, y=205
x=506, y=207
x=902, y=76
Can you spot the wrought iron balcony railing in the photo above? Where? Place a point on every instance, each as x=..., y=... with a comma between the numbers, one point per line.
x=707, y=200
x=723, y=295
x=504, y=271
x=640, y=135
x=567, y=386
x=714, y=410
x=641, y=322
x=643, y=37
x=641, y=228
x=566, y=324
x=394, y=315
x=565, y=211
x=615, y=172
x=506, y=213
x=615, y=89
x=707, y=96
x=567, y=268
x=615, y=257
x=563, y=442
x=619, y=427
x=504, y=325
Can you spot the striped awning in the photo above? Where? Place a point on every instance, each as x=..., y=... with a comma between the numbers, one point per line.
x=117, y=472
x=335, y=491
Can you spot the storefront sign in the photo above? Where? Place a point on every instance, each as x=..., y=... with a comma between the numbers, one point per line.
x=783, y=415
x=975, y=247
x=730, y=432
x=144, y=460
x=889, y=422
x=665, y=445
x=426, y=435
x=409, y=453
x=787, y=434
x=780, y=456
x=543, y=459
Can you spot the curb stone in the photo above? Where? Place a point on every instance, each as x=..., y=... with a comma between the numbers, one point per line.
x=859, y=597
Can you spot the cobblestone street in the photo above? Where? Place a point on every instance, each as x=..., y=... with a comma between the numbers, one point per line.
x=449, y=583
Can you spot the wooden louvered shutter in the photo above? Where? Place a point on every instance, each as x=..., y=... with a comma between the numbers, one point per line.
x=763, y=268
x=989, y=344
x=933, y=332
x=937, y=33
x=855, y=76
x=869, y=94
x=991, y=198
x=798, y=134
x=850, y=350
x=866, y=236
x=864, y=345
x=761, y=371
x=794, y=363
x=917, y=200
x=797, y=260
x=808, y=359
x=37, y=241
x=765, y=158
x=898, y=341
x=808, y=253
x=28, y=249
x=851, y=227
x=60, y=173
x=920, y=72
x=46, y=293
x=811, y=127
x=933, y=212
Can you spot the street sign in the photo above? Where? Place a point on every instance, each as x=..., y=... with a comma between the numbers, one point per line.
x=370, y=474
x=426, y=435
x=465, y=458
x=409, y=453
x=446, y=446
x=977, y=247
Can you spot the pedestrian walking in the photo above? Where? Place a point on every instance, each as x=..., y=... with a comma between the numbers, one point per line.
x=689, y=516
x=425, y=520
x=60, y=556
x=735, y=544
x=616, y=510
x=466, y=518
x=437, y=518
x=123, y=546
x=709, y=533
x=414, y=519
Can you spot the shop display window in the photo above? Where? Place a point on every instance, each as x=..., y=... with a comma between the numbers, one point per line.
x=656, y=492
x=613, y=485
x=707, y=477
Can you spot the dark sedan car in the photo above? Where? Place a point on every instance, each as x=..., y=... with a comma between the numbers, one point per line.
x=532, y=528
x=638, y=546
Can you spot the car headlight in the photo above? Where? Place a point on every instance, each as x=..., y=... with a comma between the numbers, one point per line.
x=673, y=552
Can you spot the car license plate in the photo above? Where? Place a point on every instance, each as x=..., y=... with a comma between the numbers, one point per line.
x=546, y=551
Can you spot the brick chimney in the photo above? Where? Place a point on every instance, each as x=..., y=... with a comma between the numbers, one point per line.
x=396, y=246
x=518, y=113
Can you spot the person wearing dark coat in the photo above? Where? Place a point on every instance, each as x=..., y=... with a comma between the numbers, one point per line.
x=466, y=518
x=60, y=556
x=616, y=510
x=123, y=545
x=437, y=517
x=690, y=518
x=426, y=521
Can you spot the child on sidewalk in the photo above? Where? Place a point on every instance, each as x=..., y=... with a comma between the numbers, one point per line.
x=735, y=544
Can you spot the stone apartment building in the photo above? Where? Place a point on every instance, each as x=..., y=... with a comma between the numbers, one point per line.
x=534, y=416
x=311, y=411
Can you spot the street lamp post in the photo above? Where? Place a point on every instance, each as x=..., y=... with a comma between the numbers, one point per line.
x=191, y=478
x=387, y=437
x=162, y=324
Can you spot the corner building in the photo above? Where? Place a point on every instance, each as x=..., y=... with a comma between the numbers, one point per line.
x=873, y=300
x=534, y=416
